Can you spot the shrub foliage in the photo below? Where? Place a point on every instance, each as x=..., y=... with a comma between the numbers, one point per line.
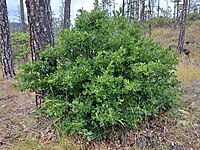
x=20, y=46
x=107, y=76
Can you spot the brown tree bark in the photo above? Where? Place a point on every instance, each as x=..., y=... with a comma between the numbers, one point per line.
x=67, y=11
x=5, y=45
x=182, y=27
x=40, y=25
x=40, y=31
x=22, y=18
x=142, y=11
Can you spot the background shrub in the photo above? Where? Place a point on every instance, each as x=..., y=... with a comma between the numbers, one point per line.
x=20, y=46
x=108, y=76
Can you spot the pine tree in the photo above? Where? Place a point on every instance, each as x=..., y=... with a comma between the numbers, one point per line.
x=5, y=45
x=22, y=18
x=40, y=25
x=182, y=27
x=67, y=10
x=142, y=15
x=40, y=31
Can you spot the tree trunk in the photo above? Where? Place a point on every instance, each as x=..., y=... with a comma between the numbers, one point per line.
x=67, y=11
x=137, y=9
x=40, y=30
x=40, y=25
x=5, y=45
x=182, y=27
x=150, y=17
x=123, y=8
x=158, y=9
x=189, y=4
x=142, y=14
x=131, y=9
x=177, y=11
x=167, y=5
x=103, y=4
x=114, y=5
x=22, y=18
x=174, y=15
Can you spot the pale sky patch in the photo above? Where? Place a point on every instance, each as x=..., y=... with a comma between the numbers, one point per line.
x=55, y=5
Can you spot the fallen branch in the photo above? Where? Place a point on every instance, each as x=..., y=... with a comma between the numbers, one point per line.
x=6, y=97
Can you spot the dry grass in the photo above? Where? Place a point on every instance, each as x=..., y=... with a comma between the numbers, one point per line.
x=170, y=37
x=188, y=72
x=188, y=69
x=166, y=36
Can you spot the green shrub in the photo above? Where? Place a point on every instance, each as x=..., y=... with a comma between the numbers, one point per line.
x=107, y=76
x=20, y=46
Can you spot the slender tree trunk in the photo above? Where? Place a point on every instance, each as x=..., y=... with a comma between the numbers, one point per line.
x=189, y=3
x=177, y=11
x=167, y=5
x=142, y=14
x=103, y=4
x=67, y=11
x=137, y=9
x=40, y=30
x=174, y=15
x=158, y=9
x=123, y=8
x=128, y=12
x=150, y=16
x=114, y=5
x=129, y=9
x=182, y=27
x=23, y=25
x=5, y=45
x=174, y=11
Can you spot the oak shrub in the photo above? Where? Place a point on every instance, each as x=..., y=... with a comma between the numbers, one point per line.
x=108, y=76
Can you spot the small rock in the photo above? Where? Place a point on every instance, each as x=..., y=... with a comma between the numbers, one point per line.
x=183, y=112
x=196, y=125
x=33, y=111
x=159, y=134
x=3, y=106
x=183, y=122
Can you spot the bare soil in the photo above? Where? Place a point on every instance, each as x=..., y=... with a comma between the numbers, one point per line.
x=177, y=131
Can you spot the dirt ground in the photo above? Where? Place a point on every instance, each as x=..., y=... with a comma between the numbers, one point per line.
x=177, y=131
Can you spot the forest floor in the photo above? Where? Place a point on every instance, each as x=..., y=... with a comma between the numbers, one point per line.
x=176, y=130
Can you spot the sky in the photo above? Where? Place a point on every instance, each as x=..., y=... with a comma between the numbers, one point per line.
x=13, y=6
x=55, y=4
